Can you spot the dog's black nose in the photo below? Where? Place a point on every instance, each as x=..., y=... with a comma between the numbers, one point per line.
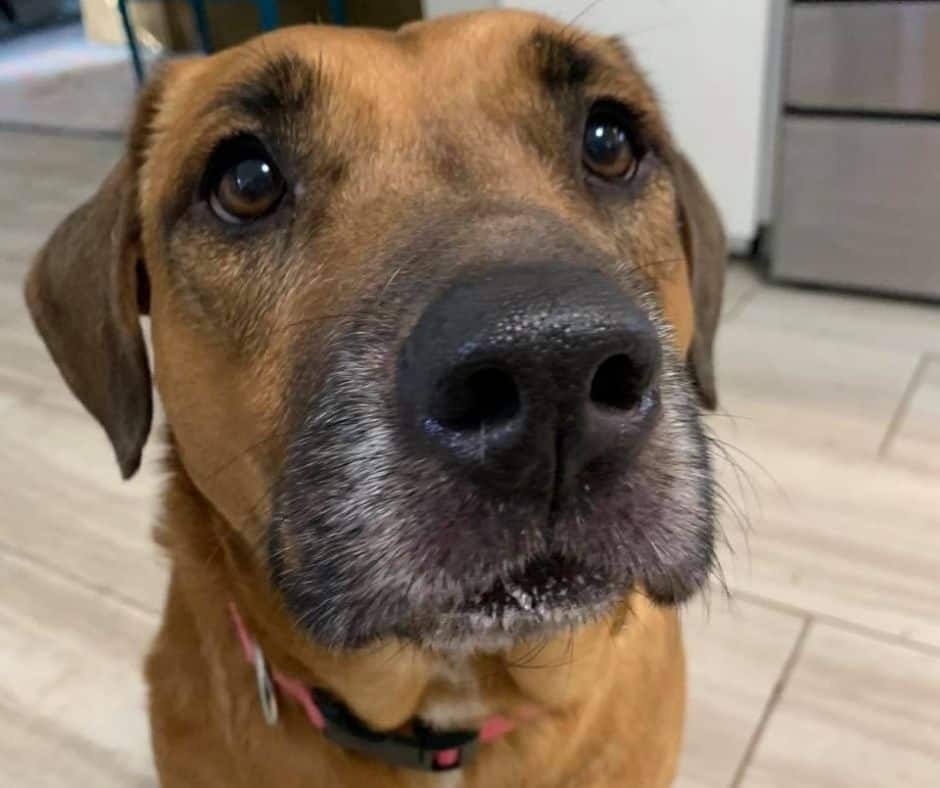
x=531, y=376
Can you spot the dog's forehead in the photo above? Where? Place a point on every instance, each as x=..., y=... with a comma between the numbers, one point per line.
x=471, y=58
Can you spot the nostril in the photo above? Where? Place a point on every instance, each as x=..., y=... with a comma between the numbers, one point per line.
x=619, y=383
x=484, y=398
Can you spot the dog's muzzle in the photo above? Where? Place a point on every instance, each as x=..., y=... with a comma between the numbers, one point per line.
x=494, y=452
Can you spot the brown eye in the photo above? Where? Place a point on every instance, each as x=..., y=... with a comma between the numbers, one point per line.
x=608, y=150
x=247, y=185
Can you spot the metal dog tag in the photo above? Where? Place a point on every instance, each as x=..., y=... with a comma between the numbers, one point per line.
x=266, y=692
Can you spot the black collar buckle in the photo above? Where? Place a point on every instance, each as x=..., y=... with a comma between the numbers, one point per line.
x=426, y=750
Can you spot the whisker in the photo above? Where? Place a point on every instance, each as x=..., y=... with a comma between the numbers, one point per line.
x=583, y=12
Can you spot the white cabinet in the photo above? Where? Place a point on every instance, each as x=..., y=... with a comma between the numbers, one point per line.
x=713, y=63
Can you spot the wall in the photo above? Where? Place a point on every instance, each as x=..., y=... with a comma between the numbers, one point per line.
x=440, y=7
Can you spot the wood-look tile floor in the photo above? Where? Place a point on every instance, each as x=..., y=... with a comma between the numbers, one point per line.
x=819, y=667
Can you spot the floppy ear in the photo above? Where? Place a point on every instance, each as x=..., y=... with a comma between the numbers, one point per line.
x=86, y=291
x=703, y=240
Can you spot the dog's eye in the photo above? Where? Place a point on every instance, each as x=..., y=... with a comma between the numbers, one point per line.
x=243, y=182
x=609, y=150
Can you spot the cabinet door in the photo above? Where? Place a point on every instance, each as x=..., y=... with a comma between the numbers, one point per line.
x=860, y=204
x=865, y=56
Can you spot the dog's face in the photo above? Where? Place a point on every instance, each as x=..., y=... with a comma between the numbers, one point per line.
x=422, y=315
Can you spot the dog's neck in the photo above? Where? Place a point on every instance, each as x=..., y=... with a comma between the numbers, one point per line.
x=390, y=683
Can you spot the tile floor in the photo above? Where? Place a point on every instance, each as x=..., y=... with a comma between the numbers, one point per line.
x=821, y=668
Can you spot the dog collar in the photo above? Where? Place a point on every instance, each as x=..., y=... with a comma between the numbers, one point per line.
x=424, y=749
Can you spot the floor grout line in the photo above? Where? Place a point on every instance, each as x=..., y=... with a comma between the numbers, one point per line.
x=772, y=702
x=745, y=298
x=837, y=623
x=101, y=591
x=903, y=408
x=49, y=130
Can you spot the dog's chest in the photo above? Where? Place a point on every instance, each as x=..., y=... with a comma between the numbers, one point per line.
x=454, y=699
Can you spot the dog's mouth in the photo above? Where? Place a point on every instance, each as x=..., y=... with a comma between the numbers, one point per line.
x=544, y=595
x=541, y=584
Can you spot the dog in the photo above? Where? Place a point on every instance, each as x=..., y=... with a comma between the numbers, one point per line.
x=432, y=315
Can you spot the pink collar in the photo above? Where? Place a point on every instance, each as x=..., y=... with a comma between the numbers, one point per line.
x=425, y=749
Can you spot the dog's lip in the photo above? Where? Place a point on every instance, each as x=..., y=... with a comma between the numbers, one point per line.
x=540, y=585
x=542, y=597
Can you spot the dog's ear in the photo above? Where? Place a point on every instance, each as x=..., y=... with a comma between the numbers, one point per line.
x=86, y=291
x=703, y=240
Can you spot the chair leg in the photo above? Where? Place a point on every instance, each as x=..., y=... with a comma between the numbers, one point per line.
x=338, y=12
x=131, y=41
x=201, y=17
x=267, y=10
x=6, y=8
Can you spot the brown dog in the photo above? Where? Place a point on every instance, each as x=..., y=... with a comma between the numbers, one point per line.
x=423, y=307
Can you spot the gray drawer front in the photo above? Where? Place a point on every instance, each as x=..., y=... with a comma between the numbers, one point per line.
x=859, y=205
x=865, y=56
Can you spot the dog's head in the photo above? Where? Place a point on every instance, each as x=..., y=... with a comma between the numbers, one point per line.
x=432, y=316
